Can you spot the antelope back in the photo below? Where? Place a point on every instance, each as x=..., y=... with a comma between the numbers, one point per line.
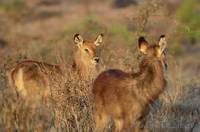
x=125, y=97
x=33, y=78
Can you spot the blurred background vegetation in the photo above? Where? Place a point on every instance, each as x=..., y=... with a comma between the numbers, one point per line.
x=120, y=20
x=189, y=15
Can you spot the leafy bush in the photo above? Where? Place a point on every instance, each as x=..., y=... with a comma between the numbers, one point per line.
x=87, y=26
x=121, y=32
x=189, y=17
x=91, y=26
x=12, y=5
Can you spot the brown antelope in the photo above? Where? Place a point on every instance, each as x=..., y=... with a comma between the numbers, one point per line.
x=32, y=78
x=125, y=97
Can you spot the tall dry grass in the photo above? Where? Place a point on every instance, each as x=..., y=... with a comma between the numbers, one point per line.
x=70, y=106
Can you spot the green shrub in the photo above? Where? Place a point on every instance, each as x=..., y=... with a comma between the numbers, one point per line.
x=12, y=5
x=91, y=26
x=87, y=26
x=121, y=32
x=188, y=15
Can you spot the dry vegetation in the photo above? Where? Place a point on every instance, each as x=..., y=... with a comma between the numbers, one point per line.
x=43, y=30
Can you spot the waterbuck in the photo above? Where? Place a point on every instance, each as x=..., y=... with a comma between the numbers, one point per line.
x=32, y=78
x=125, y=97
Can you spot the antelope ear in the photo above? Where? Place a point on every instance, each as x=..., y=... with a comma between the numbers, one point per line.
x=99, y=40
x=162, y=43
x=142, y=45
x=78, y=40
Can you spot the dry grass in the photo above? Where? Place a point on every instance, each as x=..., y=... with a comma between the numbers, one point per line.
x=70, y=106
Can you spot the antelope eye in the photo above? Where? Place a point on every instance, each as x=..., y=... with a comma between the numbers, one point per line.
x=86, y=50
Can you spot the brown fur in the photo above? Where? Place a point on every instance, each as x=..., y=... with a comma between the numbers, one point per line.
x=125, y=97
x=84, y=62
x=32, y=78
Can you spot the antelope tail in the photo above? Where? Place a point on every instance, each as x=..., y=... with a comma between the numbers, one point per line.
x=17, y=79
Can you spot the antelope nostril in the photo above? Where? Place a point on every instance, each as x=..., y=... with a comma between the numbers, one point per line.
x=96, y=59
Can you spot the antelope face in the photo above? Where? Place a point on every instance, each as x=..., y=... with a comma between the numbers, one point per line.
x=88, y=48
x=156, y=51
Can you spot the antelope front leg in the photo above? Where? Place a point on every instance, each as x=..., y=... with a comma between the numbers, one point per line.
x=138, y=126
x=100, y=122
x=118, y=124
